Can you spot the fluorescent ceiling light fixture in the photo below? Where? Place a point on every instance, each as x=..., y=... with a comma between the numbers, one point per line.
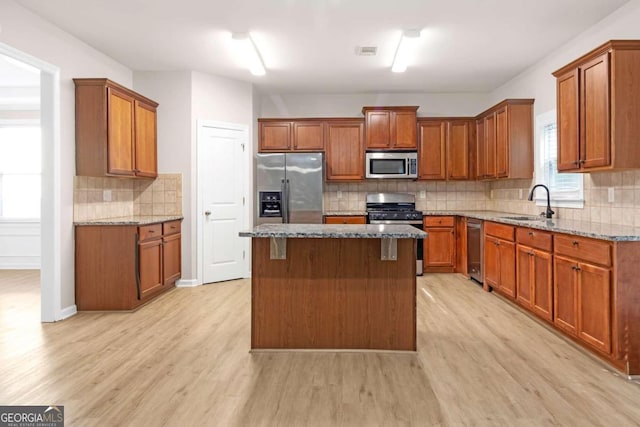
x=406, y=48
x=249, y=53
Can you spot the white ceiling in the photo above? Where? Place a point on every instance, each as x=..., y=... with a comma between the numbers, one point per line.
x=309, y=46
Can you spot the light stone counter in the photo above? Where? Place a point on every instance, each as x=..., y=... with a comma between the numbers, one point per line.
x=130, y=220
x=337, y=231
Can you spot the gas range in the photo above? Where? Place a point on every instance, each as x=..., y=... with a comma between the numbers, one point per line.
x=396, y=208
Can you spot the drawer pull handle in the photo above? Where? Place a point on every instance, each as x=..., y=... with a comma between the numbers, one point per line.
x=151, y=231
x=575, y=243
x=531, y=233
x=173, y=227
x=531, y=254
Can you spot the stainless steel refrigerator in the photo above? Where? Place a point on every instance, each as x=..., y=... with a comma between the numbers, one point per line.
x=289, y=188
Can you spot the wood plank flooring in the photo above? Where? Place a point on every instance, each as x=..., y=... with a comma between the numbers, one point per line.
x=183, y=360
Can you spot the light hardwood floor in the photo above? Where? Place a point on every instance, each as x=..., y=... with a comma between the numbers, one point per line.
x=183, y=360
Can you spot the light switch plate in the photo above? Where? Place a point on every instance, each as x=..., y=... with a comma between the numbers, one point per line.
x=611, y=194
x=520, y=194
x=106, y=195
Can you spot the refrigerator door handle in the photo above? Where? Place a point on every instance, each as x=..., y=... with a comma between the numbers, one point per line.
x=285, y=201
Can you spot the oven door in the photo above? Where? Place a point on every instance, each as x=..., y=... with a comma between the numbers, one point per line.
x=419, y=252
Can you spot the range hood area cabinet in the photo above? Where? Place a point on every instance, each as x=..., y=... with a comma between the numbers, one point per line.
x=390, y=128
x=598, y=109
x=505, y=140
x=116, y=131
x=446, y=148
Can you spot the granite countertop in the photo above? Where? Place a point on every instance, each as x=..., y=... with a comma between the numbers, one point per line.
x=619, y=233
x=346, y=213
x=130, y=220
x=337, y=231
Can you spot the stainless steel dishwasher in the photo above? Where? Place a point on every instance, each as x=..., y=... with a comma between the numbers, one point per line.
x=474, y=249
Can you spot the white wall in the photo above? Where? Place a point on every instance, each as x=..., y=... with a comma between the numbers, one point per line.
x=350, y=105
x=537, y=81
x=30, y=34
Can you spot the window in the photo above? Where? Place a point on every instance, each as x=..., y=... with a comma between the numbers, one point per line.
x=20, y=171
x=566, y=188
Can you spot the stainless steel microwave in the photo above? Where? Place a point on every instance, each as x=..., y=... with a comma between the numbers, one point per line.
x=392, y=164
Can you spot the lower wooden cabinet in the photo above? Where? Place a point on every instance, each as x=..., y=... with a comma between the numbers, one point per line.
x=345, y=219
x=440, y=244
x=534, y=281
x=120, y=267
x=499, y=258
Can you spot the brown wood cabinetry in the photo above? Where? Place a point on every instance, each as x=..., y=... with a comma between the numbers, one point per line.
x=534, y=279
x=504, y=140
x=120, y=267
x=283, y=135
x=499, y=258
x=582, y=290
x=598, y=112
x=444, y=148
x=440, y=244
x=344, y=150
x=345, y=219
x=390, y=127
x=116, y=131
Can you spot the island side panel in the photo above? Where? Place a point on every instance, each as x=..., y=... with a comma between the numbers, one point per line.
x=333, y=294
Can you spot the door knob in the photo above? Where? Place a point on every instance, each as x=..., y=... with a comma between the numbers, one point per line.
x=207, y=213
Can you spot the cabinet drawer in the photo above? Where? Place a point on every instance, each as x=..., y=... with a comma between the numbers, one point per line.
x=595, y=251
x=171, y=227
x=534, y=238
x=345, y=219
x=438, y=221
x=150, y=231
x=502, y=231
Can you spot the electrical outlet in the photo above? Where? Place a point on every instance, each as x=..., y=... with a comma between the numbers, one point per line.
x=423, y=194
x=106, y=195
x=611, y=194
x=520, y=194
x=339, y=195
x=491, y=195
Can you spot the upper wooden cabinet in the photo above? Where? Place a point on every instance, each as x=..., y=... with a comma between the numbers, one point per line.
x=116, y=130
x=344, y=144
x=279, y=135
x=504, y=141
x=444, y=149
x=598, y=110
x=391, y=128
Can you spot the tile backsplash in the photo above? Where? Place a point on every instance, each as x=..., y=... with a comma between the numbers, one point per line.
x=162, y=196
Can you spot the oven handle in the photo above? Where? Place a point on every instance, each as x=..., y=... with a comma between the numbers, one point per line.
x=391, y=222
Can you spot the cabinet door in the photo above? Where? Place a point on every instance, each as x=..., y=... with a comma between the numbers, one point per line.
x=150, y=267
x=481, y=150
x=595, y=141
x=507, y=261
x=491, y=262
x=308, y=136
x=490, y=147
x=378, y=129
x=458, y=150
x=565, y=294
x=440, y=247
x=567, y=122
x=145, y=140
x=431, y=164
x=502, y=143
x=275, y=136
x=403, y=130
x=345, y=151
x=120, y=144
x=525, y=274
x=171, y=258
x=594, y=306
x=542, y=291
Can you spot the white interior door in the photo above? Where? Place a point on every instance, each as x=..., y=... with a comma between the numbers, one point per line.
x=222, y=183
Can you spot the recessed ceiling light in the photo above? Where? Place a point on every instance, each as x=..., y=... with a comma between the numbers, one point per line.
x=249, y=53
x=406, y=48
x=366, y=50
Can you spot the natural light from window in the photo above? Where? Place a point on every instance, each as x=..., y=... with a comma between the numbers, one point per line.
x=566, y=188
x=20, y=172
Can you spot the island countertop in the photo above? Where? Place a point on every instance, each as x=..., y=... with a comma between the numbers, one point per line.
x=336, y=231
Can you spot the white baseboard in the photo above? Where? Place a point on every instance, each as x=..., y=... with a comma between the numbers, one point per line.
x=187, y=283
x=19, y=266
x=68, y=312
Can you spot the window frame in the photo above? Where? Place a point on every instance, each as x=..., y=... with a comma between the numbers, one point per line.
x=4, y=122
x=576, y=201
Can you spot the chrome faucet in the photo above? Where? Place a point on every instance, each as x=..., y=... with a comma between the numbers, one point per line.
x=548, y=213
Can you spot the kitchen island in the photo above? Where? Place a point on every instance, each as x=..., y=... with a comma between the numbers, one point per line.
x=320, y=286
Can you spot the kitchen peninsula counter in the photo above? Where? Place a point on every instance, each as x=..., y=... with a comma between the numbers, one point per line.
x=317, y=286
